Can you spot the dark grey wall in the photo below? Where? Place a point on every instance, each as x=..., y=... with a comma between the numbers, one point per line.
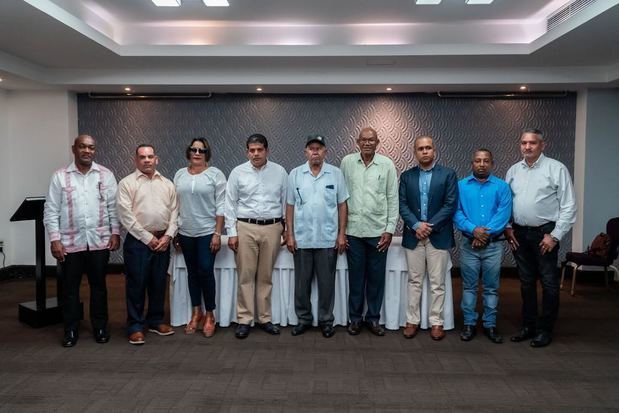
x=459, y=125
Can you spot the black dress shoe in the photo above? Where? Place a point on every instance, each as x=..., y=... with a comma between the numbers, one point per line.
x=493, y=335
x=467, y=333
x=542, y=339
x=101, y=336
x=242, y=331
x=524, y=334
x=327, y=331
x=269, y=328
x=300, y=329
x=354, y=328
x=376, y=328
x=70, y=338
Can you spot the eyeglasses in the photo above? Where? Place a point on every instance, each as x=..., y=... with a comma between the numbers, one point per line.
x=198, y=150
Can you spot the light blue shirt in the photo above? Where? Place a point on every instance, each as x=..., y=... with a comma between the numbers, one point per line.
x=483, y=204
x=315, y=200
x=425, y=178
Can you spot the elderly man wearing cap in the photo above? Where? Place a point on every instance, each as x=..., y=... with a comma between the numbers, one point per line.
x=316, y=219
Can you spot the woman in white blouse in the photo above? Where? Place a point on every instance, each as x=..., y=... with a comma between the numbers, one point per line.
x=201, y=193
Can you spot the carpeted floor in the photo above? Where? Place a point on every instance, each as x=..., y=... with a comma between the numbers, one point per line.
x=578, y=372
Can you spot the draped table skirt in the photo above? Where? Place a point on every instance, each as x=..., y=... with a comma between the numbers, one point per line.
x=392, y=314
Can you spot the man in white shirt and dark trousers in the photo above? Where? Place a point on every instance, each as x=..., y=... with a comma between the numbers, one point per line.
x=81, y=220
x=254, y=211
x=544, y=210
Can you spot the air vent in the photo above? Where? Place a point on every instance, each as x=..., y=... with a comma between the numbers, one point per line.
x=567, y=12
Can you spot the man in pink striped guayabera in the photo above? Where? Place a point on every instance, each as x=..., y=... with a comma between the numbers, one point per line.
x=81, y=220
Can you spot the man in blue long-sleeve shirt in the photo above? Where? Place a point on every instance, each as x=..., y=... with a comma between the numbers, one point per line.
x=484, y=208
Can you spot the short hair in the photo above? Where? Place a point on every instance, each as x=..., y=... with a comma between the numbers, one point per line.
x=421, y=137
x=369, y=129
x=207, y=155
x=484, y=150
x=144, y=145
x=257, y=138
x=534, y=131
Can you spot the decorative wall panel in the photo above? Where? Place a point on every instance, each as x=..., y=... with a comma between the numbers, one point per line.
x=459, y=125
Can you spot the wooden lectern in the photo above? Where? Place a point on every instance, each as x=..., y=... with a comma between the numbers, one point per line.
x=41, y=312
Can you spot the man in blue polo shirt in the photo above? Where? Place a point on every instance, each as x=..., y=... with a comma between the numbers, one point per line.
x=484, y=208
x=316, y=220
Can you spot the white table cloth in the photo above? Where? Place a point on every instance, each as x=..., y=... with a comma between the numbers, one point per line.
x=393, y=311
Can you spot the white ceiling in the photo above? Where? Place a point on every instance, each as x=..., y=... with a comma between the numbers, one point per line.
x=305, y=46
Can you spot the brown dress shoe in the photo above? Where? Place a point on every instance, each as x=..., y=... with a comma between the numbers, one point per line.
x=136, y=338
x=209, y=325
x=162, y=330
x=410, y=330
x=437, y=333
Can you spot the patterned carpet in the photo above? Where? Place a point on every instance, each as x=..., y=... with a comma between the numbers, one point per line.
x=578, y=372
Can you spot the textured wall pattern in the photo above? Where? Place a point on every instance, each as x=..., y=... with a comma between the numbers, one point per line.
x=459, y=125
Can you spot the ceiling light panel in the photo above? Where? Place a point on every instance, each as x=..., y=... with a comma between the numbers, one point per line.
x=427, y=1
x=216, y=3
x=167, y=3
x=479, y=1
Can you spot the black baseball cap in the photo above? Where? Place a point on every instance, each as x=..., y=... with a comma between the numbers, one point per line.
x=315, y=138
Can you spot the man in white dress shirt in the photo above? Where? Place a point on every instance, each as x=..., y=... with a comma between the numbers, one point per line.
x=254, y=211
x=82, y=223
x=544, y=210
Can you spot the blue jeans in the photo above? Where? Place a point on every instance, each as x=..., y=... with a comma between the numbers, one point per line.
x=366, y=278
x=145, y=270
x=200, y=263
x=488, y=261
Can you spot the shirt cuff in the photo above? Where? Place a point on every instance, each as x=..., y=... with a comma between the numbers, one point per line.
x=231, y=231
x=416, y=226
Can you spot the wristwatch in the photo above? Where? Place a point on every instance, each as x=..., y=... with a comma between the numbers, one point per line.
x=555, y=239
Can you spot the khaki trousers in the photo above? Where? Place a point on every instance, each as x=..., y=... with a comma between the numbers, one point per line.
x=419, y=260
x=256, y=255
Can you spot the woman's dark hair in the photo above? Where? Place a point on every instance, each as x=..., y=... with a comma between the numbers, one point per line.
x=207, y=155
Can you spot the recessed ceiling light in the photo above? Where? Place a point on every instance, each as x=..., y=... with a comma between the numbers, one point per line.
x=216, y=3
x=127, y=89
x=167, y=3
x=427, y=1
x=479, y=1
x=1, y=79
x=258, y=89
x=523, y=87
x=388, y=89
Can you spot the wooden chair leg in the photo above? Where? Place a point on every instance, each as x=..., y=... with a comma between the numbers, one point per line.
x=606, y=278
x=562, y=277
x=574, y=272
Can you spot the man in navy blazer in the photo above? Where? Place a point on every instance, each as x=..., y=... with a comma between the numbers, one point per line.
x=428, y=201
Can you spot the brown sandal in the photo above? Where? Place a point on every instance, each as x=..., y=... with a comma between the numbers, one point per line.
x=209, y=325
x=192, y=325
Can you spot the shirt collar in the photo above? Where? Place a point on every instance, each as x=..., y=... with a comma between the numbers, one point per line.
x=139, y=174
x=375, y=159
x=430, y=169
x=535, y=164
x=93, y=167
x=471, y=177
x=323, y=170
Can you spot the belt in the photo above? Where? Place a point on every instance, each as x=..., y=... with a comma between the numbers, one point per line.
x=260, y=221
x=158, y=234
x=493, y=239
x=538, y=228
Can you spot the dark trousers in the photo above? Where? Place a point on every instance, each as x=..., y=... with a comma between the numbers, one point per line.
x=318, y=262
x=532, y=265
x=200, y=263
x=145, y=271
x=366, y=278
x=94, y=264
